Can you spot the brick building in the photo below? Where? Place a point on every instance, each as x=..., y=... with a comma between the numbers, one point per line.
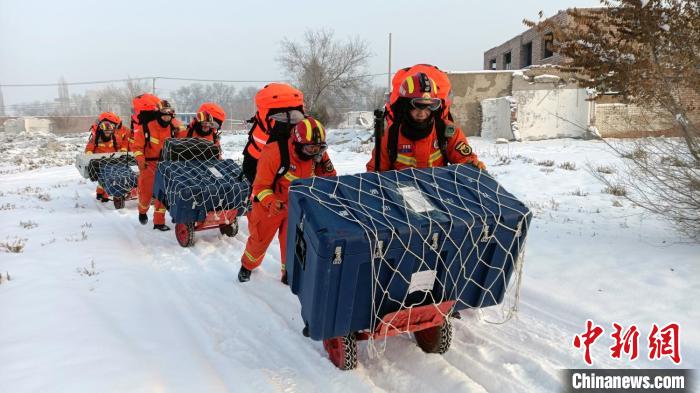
x=526, y=49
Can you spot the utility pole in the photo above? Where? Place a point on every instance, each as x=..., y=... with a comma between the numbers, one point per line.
x=153, y=90
x=389, y=73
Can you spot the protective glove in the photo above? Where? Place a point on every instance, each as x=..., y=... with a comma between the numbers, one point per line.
x=141, y=164
x=273, y=205
x=478, y=164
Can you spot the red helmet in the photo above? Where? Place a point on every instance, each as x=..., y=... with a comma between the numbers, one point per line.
x=309, y=138
x=165, y=108
x=420, y=91
x=309, y=132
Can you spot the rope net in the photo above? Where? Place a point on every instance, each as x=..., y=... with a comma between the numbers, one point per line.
x=118, y=174
x=191, y=181
x=432, y=235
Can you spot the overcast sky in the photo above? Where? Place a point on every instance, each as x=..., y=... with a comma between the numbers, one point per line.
x=41, y=41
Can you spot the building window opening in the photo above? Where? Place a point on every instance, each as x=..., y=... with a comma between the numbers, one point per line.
x=548, y=44
x=492, y=64
x=507, y=64
x=526, y=54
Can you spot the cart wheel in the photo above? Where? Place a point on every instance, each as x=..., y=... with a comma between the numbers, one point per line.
x=118, y=202
x=185, y=234
x=436, y=339
x=342, y=351
x=229, y=230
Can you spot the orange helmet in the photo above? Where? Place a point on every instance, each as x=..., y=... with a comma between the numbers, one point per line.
x=277, y=95
x=420, y=91
x=210, y=112
x=110, y=117
x=309, y=139
x=145, y=102
x=444, y=86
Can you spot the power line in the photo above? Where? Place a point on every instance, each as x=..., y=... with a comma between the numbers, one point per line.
x=101, y=82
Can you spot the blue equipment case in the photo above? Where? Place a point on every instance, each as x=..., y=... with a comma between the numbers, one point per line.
x=454, y=220
x=117, y=178
x=190, y=189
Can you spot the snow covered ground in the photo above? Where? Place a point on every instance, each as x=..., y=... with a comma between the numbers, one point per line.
x=96, y=302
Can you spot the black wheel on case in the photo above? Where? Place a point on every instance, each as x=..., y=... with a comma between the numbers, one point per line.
x=118, y=202
x=436, y=339
x=229, y=230
x=185, y=234
x=342, y=351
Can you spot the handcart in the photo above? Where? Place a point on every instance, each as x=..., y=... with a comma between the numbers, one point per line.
x=375, y=255
x=199, y=190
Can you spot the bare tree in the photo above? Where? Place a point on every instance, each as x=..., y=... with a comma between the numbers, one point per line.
x=648, y=52
x=63, y=98
x=326, y=70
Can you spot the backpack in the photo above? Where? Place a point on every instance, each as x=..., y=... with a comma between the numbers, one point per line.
x=145, y=108
x=444, y=93
x=271, y=99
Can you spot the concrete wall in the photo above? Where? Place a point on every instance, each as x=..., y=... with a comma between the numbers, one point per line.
x=496, y=118
x=469, y=89
x=27, y=124
x=550, y=105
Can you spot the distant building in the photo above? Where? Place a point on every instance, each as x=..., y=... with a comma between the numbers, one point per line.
x=527, y=49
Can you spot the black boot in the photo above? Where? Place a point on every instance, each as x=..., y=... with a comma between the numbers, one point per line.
x=244, y=274
x=284, y=278
x=103, y=199
x=161, y=227
x=98, y=197
x=143, y=219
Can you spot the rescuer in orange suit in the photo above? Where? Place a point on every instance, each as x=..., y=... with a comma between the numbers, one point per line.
x=306, y=155
x=420, y=137
x=106, y=136
x=206, y=124
x=149, y=139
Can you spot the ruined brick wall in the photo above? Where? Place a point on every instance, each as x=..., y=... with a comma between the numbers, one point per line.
x=469, y=89
x=515, y=46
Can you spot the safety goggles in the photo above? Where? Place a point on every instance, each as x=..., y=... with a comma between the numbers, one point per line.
x=167, y=111
x=291, y=117
x=431, y=104
x=315, y=149
x=107, y=126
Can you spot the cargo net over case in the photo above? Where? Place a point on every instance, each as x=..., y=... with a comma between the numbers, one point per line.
x=195, y=182
x=431, y=236
x=188, y=149
x=117, y=174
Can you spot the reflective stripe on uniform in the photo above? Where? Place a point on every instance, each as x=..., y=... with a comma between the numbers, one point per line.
x=251, y=257
x=137, y=153
x=406, y=160
x=263, y=194
x=434, y=157
x=290, y=177
x=154, y=140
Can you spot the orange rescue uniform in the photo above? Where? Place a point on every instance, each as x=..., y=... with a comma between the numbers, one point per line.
x=425, y=153
x=147, y=154
x=118, y=142
x=263, y=220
